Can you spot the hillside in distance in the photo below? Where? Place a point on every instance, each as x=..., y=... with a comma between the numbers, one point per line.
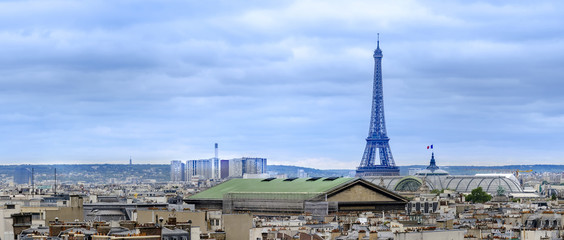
x=88, y=173
x=115, y=173
x=292, y=171
x=472, y=170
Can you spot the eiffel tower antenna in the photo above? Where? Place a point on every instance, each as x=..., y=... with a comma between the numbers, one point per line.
x=378, y=42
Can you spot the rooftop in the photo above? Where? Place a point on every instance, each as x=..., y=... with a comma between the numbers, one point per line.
x=279, y=185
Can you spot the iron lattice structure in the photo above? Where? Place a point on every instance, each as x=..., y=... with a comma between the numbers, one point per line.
x=377, y=142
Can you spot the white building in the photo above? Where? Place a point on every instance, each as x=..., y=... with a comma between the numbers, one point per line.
x=240, y=166
x=177, y=171
x=201, y=168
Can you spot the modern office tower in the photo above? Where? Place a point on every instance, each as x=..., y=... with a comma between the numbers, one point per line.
x=255, y=165
x=22, y=175
x=201, y=168
x=302, y=173
x=224, y=169
x=377, y=159
x=236, y=167
x=240, y=166
x=177, y=170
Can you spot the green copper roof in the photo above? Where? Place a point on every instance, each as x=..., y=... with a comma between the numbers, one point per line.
x=299, y=185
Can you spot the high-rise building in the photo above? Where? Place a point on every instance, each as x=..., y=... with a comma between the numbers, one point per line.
x=224, y=169
x=302, y=173
x=22, y=175
x=254, y=165
x=201, y=168
x=177, y=170
x=236, y=167
x=240, y=166
x=377, y=143
x=216, y=164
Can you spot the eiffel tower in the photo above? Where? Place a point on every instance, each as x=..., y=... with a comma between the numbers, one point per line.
x=377, y=142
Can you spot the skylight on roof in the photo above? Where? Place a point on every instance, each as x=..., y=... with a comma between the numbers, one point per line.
x=290, y=179
x=330, y=179
x=268, y=179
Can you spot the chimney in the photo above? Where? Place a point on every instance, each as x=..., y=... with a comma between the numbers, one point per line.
x=216, y=153
x=361, y=234
x=76, y=201
x=335, y=234
x=373, y=235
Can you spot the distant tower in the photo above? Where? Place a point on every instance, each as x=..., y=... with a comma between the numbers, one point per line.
x=177, y=171
x=432, y=165
x=216, y=164
x=377, y=142
x=130, y=161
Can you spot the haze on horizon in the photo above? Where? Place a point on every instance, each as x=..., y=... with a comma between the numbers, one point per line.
x=99, y=81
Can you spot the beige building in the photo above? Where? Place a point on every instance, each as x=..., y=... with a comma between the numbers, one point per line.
x=6, y=212
x=73, y=212
x=152, y=216
x=435, y=235
x=237, y=226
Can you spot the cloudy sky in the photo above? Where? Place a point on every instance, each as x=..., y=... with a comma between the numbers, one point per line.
x=100, y=81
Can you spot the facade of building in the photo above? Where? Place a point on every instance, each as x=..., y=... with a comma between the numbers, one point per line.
x=199, y=168
x=302, y=173
x=235, y=168
x=318, y=196
x=435, y=178
x=177, y=171
x=245, y=165
x=254, y=165
x=224, y=169
x=22, y=175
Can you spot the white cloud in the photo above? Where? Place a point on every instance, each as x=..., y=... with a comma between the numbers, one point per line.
x=291, y=81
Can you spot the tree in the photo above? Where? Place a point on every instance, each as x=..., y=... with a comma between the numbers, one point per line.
x=478, y=196
x=436, y=191
x=439, y=191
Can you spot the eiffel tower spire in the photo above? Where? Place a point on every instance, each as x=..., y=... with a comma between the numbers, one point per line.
x=377, y=142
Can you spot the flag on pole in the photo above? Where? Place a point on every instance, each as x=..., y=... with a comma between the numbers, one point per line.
x=430, y=146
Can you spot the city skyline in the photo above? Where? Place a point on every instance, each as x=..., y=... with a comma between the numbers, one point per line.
x=290, y=81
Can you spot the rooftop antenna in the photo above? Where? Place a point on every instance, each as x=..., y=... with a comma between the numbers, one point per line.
x=32, y=182
x=55, y=181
